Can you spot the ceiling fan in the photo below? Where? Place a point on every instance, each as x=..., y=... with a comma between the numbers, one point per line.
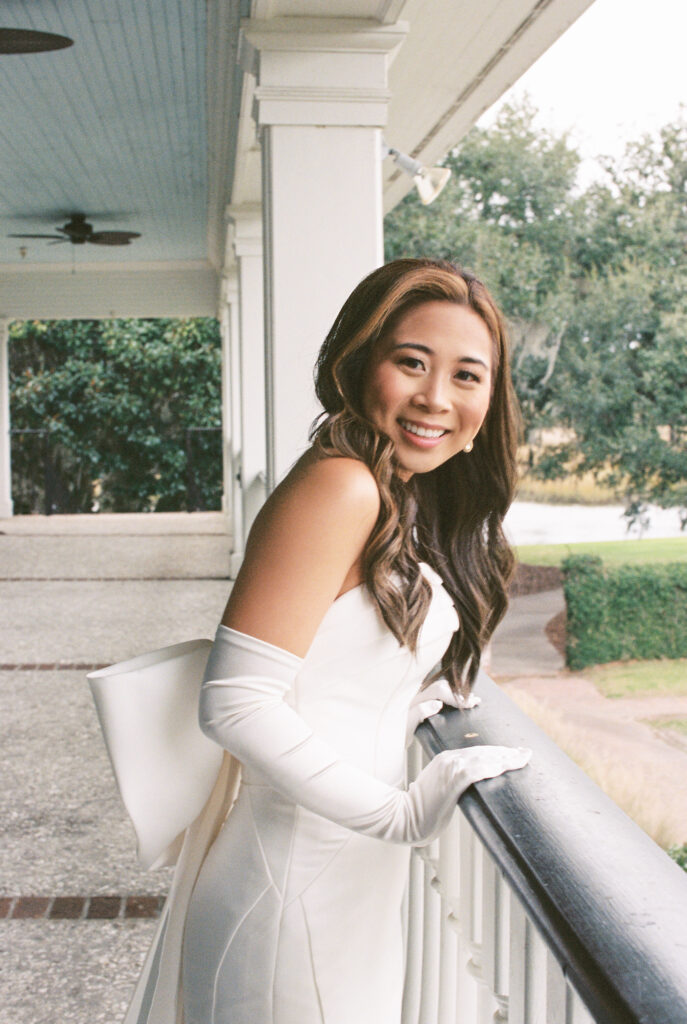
x=78, y=231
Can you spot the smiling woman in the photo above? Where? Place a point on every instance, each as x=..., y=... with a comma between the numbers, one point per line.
x=381, y=542
x=420, y=346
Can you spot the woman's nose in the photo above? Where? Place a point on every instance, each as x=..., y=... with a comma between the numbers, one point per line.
x=432, y=394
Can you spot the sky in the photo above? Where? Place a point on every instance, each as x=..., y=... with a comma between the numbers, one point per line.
x=618, y=72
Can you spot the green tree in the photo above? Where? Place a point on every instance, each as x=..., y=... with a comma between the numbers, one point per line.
x=593, y=284
x=117, y=398
x=508, y=214
x=622, y=377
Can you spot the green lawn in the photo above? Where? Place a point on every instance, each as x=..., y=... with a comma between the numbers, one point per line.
x=640, y=678
x=670, y=724
x=614, y=552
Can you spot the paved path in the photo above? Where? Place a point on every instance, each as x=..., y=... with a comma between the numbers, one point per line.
x=529, y=522
x=78, y=591
x=643, y=769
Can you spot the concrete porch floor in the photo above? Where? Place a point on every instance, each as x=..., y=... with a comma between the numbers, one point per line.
x=78, y=592
x=81, y=591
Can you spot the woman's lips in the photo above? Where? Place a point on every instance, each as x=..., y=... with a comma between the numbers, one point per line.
x=430, y=437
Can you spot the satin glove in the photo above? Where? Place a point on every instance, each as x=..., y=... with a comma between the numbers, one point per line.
x=242, y=708
x=431, y=700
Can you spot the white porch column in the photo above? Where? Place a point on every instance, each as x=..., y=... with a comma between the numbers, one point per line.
x=247, y=221
x=225, y=395
x=6, y=505
x=321, y=102
x=232, y=500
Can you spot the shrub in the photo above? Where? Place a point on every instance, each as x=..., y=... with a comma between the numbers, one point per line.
x=623, y=612
x=679, y=855
x=132, y=404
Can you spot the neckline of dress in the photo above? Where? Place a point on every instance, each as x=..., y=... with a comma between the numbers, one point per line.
x=424, y=566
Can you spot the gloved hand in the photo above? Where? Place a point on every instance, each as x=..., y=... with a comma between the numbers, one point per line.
x=242, y=708
x=430, y=701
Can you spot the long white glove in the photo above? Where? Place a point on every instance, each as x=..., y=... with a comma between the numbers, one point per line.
x=432, y=699
x=242, y=708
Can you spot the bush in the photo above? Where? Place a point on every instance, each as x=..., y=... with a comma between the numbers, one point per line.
x=133, y=405
x=623, y=612
x=679, y=855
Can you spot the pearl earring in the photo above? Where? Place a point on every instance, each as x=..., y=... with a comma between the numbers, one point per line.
x=468, y=447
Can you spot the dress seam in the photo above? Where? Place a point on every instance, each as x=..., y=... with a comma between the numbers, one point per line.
x=312, y=961
x=228, y=945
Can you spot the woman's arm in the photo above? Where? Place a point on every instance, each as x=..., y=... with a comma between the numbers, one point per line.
x=304, y=550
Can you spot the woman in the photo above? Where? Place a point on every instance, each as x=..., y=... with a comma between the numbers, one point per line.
x=346, y=601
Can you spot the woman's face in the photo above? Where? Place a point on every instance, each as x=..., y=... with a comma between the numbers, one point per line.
x=428, y=383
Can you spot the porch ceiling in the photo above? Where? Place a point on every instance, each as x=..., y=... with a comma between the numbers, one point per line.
x=144, y=125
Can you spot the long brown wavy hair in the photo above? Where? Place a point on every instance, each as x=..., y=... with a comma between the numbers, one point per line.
x=450, y=517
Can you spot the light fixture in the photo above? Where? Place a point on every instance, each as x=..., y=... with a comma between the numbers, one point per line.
x=429, y=181
x=25, y=40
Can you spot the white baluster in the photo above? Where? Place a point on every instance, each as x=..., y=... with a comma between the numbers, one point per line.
x=579, y=1014
x=414, y=909
x=431, y=937
x=415, y=913
x=495, y=931
x=535, y=1005
x=556, y=992
x=448, y=886
x=519, y=953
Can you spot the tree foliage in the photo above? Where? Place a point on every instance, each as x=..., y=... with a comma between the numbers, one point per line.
x=117, y=399
x=593, y=283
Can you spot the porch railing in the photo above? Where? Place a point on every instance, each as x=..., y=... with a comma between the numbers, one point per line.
x=543, y=903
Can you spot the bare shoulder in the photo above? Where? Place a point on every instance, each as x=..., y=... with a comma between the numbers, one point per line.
x=306, y=542
x=343, y=485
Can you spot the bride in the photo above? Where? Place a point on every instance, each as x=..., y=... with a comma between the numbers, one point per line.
x=373, y=577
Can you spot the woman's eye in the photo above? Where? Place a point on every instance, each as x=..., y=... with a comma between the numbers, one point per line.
x=467, y=375
x=412, y=363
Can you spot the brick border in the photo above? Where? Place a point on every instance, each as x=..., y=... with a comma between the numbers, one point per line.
x=53, y=666
x=82, y=908
x=110, y=579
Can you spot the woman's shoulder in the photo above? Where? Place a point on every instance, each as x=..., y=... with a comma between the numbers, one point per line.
x=343, y=485
x=305, y=546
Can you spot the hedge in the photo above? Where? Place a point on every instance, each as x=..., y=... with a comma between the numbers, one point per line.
x=616, y=613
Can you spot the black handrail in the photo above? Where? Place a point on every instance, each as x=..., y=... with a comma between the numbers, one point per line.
x=609, y=903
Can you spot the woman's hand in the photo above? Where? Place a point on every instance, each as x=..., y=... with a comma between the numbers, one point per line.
x=431, y=700
x=432, y=797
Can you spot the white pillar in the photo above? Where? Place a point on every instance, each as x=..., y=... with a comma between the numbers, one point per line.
x=321, y=102
x=225, y=389
x=231, y=417
x=247, y=221
x=6, y=505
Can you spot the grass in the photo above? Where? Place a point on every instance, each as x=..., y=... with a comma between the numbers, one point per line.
x=640, y=678
x=613, y=552
x=678, y=725
x=569, y=490
x=626, y=789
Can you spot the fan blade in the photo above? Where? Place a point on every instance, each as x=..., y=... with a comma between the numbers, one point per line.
x=112, y=237
x=37, y=236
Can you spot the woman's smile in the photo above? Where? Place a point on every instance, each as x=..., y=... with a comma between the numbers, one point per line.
x=428, y=384
x=421, y=434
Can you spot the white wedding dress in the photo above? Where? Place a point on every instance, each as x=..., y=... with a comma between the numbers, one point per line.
x=293, y=919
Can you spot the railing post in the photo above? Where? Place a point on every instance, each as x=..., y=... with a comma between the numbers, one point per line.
x=412, y=989
x=495, y=932
x=448, y=886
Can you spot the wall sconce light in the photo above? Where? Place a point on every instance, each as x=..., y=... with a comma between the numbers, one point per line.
x=429, y=181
